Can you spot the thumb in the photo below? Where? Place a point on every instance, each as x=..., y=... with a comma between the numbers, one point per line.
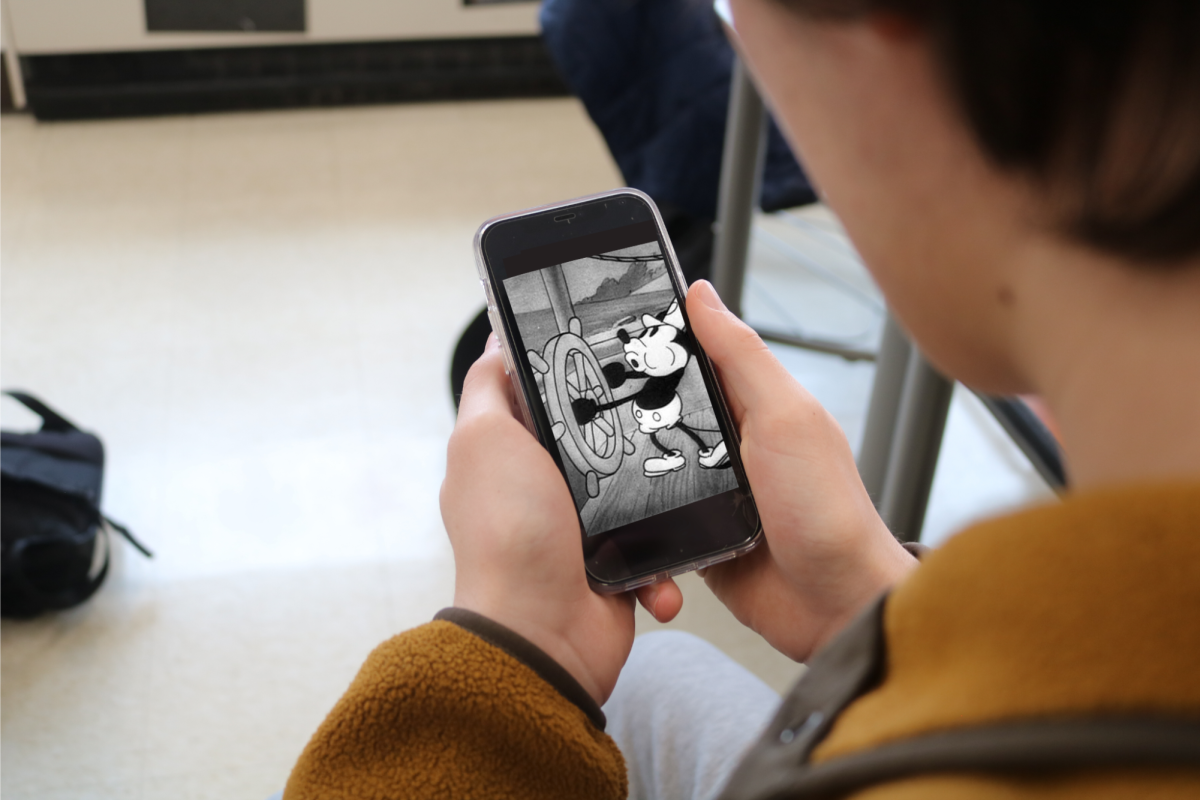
x=487, y=388
x=750, y=373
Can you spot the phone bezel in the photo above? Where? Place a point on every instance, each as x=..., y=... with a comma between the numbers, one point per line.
x=679, y=540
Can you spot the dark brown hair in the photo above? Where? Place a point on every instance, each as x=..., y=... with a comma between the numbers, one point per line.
x=1097, y=100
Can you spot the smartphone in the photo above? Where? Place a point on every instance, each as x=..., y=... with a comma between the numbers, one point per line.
x=587, y=299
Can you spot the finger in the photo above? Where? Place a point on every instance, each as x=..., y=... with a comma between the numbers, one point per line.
x=486, y=388
x=741, y=575
x=749, y=371
x=663, y=600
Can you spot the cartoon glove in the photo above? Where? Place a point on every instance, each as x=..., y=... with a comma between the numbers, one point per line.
x=614, y=373
x=585, y=410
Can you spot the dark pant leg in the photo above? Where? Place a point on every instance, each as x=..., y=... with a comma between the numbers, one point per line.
x=683, y=426
x=654, y=440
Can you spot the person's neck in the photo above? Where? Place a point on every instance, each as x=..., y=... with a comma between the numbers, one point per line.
x=1114, y=350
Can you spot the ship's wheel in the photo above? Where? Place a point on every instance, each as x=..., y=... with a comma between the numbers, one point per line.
x=569, y=370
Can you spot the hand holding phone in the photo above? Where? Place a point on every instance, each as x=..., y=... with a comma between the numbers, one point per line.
x=637, y=453
x=828, y=553
x=515, y=533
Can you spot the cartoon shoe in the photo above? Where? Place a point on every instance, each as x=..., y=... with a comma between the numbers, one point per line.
x=714, y=457
x=671, y=462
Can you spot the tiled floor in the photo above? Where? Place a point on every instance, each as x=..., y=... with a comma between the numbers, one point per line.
x=256, y=312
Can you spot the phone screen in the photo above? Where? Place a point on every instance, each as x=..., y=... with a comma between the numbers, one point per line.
x=617, y=386
x=616, y=372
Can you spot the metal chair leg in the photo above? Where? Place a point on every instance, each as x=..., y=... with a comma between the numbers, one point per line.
x=891, y=365
x=741, y=176
x=920, y=424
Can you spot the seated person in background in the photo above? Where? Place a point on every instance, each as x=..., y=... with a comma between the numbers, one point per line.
x=1023, y=179
x=654, y=76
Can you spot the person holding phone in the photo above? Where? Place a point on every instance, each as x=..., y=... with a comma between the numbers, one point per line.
x=1023, y=180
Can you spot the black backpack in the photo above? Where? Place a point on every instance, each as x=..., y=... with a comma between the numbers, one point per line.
x=55, y=550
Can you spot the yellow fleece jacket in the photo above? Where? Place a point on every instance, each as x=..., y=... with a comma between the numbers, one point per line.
x=1091, y=606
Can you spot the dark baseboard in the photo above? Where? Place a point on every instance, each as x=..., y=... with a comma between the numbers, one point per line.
x=96, y=85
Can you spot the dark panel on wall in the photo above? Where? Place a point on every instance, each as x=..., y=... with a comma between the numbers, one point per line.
x=225, y=15
x=192, y=81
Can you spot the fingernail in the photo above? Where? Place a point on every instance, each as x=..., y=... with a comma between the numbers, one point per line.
x=708, y=295
x=493, y=341
x=652, y=605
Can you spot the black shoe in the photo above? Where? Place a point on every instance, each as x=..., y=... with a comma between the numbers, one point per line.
x=470, y=347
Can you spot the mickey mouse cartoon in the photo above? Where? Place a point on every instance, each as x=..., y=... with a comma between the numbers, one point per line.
x=660, y=354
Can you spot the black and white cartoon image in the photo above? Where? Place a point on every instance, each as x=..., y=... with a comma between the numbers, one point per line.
x=660, y=355
x=616, y=373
